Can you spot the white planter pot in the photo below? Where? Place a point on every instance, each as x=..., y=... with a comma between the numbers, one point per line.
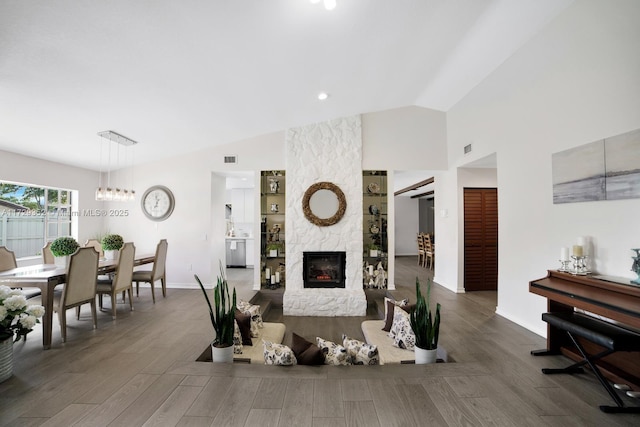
x=373, y=253
x=6, y=359
x=425, y=356
x=222, y=354
x=62, y=261
x=273, y=253
x=111, y=255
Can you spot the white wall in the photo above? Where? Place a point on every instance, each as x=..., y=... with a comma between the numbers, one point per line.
x=576, y=82
x=406, y=225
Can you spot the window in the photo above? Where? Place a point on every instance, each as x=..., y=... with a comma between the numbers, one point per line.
x=30, y=216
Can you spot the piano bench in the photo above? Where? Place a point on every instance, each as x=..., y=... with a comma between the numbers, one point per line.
x=613, y=338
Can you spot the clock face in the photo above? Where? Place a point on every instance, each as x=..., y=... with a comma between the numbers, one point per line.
x=157, y=203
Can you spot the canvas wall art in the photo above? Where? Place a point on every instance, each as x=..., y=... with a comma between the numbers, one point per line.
x=608, y=169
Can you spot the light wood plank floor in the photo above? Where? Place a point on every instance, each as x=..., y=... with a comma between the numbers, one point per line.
x=140, y=370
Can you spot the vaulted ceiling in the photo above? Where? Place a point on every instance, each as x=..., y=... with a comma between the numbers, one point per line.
x=179, y=76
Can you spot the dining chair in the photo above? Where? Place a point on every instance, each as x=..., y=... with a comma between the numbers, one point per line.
x=421, y=254
x=47, y=255
x=156, y=273
x=428, y=251
x=7, y=259
x=80, y=287
x=94, y=243
x=122, y=279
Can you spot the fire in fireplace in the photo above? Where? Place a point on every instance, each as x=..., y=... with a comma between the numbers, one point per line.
x=324, y=269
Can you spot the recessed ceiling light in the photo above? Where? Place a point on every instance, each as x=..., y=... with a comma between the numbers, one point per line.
x=322, y=96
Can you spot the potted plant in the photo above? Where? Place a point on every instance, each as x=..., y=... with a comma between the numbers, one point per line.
x=274, y=248
x=373, y=250
x=17, y=318
x=222, y=316
x=426, y=327
x=62, y=247
x=110, y=244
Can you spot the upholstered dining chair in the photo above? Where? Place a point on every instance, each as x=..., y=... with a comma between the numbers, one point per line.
x=80, y=287
x=47, y=255
x=7, y=259
x=94, y=243
x=156, y=273
x=121, y=281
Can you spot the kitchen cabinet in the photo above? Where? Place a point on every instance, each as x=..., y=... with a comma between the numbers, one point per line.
x=242, y=209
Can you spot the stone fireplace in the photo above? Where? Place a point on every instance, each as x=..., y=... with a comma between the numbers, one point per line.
x=324, y=152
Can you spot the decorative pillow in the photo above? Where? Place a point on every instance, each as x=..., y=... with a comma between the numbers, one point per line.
x=244, y=323
x=278, y=354
x=360, y=352
x=334, y=354
x=404, y=336
x=237, y=338
x=389, y=306
x=306, y=352
x=256, y=316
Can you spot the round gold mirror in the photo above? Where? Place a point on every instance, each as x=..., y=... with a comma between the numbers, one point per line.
x=324, y=204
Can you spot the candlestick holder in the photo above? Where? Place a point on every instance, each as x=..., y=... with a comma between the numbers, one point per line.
x=579, y=266
x=564, y=265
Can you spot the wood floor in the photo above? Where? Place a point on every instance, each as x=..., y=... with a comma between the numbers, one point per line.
x=141, y=370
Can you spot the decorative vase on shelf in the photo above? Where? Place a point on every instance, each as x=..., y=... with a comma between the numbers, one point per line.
x=373, y=253
x=425, y=356
x=221, y=354
x=6, y=359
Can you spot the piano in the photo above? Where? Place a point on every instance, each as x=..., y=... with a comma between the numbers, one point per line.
x=607, y=298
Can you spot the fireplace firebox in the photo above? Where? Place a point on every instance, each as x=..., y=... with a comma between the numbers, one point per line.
x=324, y=269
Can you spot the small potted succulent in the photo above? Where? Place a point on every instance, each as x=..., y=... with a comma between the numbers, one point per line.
x=111, y=243
x=373, y=250
x=274, y=248
x=62, y=247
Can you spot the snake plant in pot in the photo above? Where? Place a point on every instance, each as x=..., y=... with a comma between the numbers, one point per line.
x=222, y=315
x=426, y=326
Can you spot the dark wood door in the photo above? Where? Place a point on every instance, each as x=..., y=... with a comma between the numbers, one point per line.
x=480, y=239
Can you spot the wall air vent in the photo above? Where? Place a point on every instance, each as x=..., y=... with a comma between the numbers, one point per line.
x=231, y=159
x=467, y=149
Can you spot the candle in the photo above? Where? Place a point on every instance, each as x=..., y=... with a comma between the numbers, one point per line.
x=581, y=241
x=577, y=250
x=277, y=277
x=273, y=279
x=267, y=273
x=370, y=270
x=564, y=254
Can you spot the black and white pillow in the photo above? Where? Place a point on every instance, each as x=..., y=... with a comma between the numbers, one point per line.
x=403, y=334
x=334, y=354
x=256, y=317
x=237, y=338
x=278, y=354
x=360, y=352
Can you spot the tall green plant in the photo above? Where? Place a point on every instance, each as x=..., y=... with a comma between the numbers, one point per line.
x=222, y=314
x=425, y=327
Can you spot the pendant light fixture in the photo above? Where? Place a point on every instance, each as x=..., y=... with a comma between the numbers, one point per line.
x=108, y=193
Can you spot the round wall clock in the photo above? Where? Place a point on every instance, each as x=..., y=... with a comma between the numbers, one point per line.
x=157, y=203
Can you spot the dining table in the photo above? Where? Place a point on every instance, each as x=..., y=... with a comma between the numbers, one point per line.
x=47, y=276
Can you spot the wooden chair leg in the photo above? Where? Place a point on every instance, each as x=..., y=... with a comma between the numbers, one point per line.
x=113, y=305
x=130, y=290
x=137, y=289
x=164, y=287
x=153, y=293
x=62, y=317
x=94, y=314
x=78, y=312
